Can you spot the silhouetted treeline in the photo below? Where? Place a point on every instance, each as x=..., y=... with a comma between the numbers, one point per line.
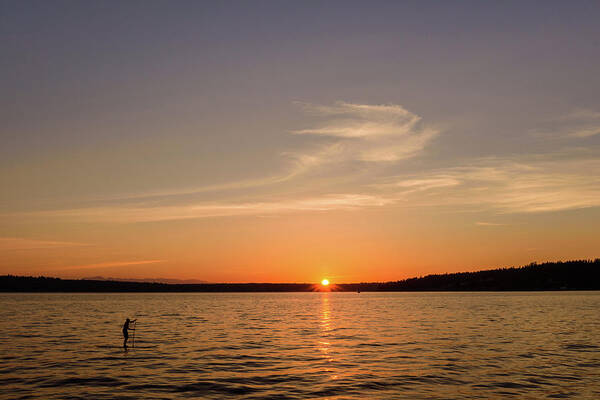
x=568, y=275
x=42, y=284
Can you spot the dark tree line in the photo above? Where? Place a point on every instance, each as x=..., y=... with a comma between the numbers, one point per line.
x=568, y=275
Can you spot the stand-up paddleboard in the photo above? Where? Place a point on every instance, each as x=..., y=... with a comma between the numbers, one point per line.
x=101, y=346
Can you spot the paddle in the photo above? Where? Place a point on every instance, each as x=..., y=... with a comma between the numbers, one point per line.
x=133, y=338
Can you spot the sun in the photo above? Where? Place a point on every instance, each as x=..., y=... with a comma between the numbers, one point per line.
x=325, y=282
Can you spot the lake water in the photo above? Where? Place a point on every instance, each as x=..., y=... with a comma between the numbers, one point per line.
x=302, y=345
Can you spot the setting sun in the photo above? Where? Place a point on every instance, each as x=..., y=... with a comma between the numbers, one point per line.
x=325, y=282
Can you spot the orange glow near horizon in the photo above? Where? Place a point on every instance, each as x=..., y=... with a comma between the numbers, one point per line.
x=348, y=245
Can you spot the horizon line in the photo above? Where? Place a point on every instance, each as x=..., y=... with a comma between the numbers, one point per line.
x=164, y=281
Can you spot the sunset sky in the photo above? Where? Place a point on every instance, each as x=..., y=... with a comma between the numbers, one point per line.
x=279, y=141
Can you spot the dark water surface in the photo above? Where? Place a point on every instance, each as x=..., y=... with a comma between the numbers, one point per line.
x=302, y=345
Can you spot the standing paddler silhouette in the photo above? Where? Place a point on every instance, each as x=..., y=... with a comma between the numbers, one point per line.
x=125, y=329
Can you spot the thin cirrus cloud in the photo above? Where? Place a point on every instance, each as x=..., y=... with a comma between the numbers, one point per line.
x=509, y=186
x=347, y=133
x=12, y=243
x=538, y=186
x=360, y=120
x=420, y=184
x=355, y=133
x=206, y=210
x=578, y=124
x=371, y=133
x=497, y=185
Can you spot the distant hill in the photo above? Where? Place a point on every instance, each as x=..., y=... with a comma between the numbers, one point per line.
x=568, y=275
x=150, y=280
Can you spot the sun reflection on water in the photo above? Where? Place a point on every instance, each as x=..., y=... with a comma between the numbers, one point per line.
x=324, y=344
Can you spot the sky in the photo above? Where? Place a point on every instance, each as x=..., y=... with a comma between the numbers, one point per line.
x=277, y=141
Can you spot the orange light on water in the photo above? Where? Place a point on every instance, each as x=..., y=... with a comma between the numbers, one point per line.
x=325, y=282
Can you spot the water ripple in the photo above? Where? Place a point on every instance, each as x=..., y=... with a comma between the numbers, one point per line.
x=302, y=345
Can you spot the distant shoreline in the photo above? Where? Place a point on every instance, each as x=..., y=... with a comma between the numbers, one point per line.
x=550, y=276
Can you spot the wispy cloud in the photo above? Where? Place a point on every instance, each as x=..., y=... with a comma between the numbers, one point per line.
x=343, y=133
x=513, y=186
x=10, y=243
x=580, y=114
x=584, y=132
x=581, y=123
x=548, y=185
x=361, y=120
x=350, y=160
x=206, y=210
x=290, y=173
x=542, y=183
x=344, y=139
x=373, y=133
x=420, y=184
